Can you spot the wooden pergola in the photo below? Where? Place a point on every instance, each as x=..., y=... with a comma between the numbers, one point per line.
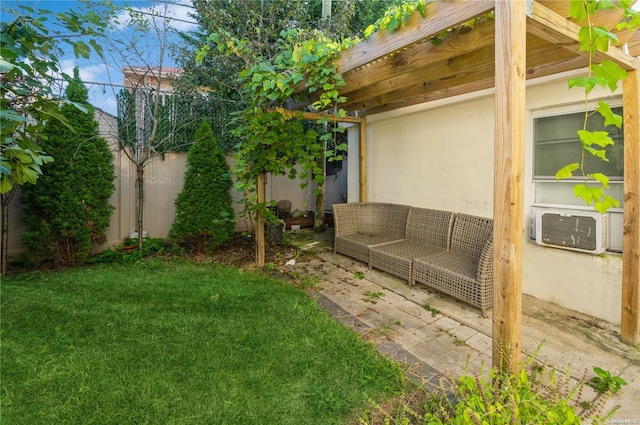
x=527, y=39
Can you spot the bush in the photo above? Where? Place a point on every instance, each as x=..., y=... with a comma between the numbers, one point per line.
x=204, y=213
x=534, y=395
x=68, y=211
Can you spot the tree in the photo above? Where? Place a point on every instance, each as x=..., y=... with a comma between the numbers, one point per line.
x=29, y=63
x=204, y=213
x=68, y=212
x=152, y=119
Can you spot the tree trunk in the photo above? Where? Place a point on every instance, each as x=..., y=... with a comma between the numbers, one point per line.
x=140, y=221
x=5, y=236
x=5, y=199
x=260, y=248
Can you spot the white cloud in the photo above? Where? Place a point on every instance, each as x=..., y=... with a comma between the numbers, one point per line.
x=177, y=13
x=87, y=72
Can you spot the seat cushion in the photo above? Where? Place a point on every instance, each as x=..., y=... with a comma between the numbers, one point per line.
x=357, y=245
x=452, y=262
x=396, y=258
x=455, y=274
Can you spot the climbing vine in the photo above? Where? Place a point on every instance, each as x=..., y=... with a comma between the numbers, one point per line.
x=606, y=74
x=271, y=140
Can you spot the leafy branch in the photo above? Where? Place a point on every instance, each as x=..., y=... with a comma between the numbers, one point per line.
x=269, y=139
x=605, y=74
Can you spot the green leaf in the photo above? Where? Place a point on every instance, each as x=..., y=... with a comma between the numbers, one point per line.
x=5, y=169
x=587, y=83
x=605, y=4
x=393, y=25
x=604, y=180
x=566, y=172
x=577, y=10
x=604, y=37
x=588, y=194
x=370, y=29
x=11, y=115
x=605, y=203
x=599, y=138
x=5, y=184
x=600, y=153
x=608, y=74
x=609, y=117
x=80, y=49
x=5, y=66
x=96, y=47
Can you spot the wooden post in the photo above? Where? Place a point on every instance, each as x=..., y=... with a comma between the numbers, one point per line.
x=363, y=159
x=260, y=222
x=510, y=17
x=631, y=235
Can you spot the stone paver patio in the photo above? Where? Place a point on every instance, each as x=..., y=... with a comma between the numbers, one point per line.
x=437, y=335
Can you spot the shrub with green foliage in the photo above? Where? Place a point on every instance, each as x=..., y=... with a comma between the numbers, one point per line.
x=536, y=394
x=204, y=212
x=68, y=211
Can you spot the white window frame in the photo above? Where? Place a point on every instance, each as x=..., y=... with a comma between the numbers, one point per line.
x=615, y=223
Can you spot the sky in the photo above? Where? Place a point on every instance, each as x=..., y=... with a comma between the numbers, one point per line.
x=103, y=76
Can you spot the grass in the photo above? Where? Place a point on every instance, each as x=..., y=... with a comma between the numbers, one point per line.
x=178, y=343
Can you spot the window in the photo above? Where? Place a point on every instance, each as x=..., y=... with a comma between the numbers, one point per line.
x=556, y=144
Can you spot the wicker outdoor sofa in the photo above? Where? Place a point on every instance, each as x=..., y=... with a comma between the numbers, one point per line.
x=449, y=252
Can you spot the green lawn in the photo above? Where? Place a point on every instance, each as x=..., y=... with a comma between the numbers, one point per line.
x=177, y=343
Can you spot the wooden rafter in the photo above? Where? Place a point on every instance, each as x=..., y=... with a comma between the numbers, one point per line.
x=421, y=55
x=441, y=16
x=389, y=71
x=550, y=26
x=463, y=74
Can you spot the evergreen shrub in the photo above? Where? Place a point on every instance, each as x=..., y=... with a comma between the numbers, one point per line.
x=204, y=211
x=68, y=211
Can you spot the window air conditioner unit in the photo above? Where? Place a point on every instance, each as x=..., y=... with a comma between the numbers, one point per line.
x=575, y=230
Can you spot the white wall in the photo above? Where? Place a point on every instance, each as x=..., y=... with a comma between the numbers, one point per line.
x=440, y=155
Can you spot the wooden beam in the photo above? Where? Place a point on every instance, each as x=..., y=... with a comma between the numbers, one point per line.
x=461, y=75
x=363, y=159
x=629, y=322
x=421, y=55
x=460, y=68
x=607, y=18
x=477, y=84
x=558, y=30
x=260, y=221
x=440, y=16
x=633, y=44
x=316, y=116
x=508, y=203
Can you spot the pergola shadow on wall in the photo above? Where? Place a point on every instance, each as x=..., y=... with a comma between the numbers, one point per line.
x=527, y=39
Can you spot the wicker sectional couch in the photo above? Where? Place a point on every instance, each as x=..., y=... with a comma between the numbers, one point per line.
x=452, y=253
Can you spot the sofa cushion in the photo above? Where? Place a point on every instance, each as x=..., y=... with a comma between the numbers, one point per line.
x=396, y=258
x=430, y=227
x=470, y=234
x=370, y=218
x=452, y=262
x=357, y=245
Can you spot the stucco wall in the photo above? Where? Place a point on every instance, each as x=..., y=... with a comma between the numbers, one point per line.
x=440, y=155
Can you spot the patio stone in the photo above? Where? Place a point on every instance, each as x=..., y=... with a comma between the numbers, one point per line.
x=458, y=337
